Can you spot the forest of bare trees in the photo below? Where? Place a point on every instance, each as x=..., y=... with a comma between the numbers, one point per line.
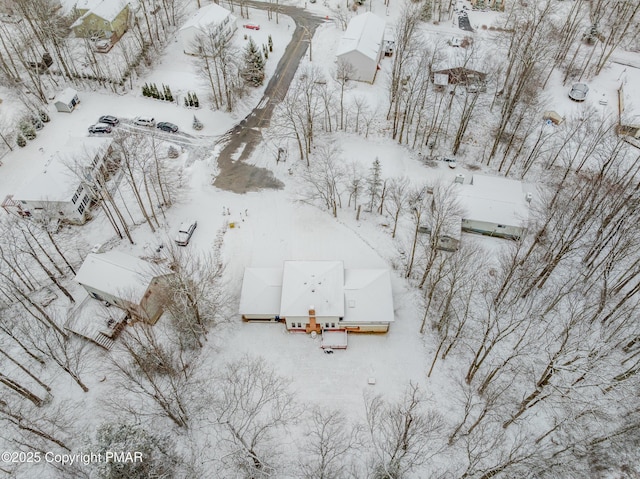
x=538, y=341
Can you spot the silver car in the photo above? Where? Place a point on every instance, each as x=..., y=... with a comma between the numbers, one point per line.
x=579, y=92
x=185, y=232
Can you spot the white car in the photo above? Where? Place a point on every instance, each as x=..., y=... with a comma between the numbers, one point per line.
x=451, y=163
x=185, y=232
x=455, y=42
x=144, y=121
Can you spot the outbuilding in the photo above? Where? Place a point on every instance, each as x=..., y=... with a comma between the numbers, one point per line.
x=67, y=100
x=362, y=45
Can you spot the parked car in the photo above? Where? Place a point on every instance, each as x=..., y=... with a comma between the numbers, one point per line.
x=166, y=126
x=185, y=232
x=144, y=121
x=451, y=163
x=579, y=92
x=455, y=42
x=109, y=120
x=251, y=26
x=100, y=128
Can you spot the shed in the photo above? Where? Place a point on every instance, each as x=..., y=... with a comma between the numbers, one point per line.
x=67, y=100
x=212, y=20
x=362, y=46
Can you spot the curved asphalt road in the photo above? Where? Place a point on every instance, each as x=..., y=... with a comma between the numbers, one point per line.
x=235, y=175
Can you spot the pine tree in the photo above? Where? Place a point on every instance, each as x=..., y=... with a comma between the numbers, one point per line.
x=168, y=96
x=197, y=124
x=253, y=71
x=196, y=102
x=173, y=152
x=374, y=182
x=270, y=44
x=158, y=452
x=27, y=129
x=265, y=51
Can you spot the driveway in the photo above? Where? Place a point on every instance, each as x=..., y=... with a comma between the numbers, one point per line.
x=241, y=140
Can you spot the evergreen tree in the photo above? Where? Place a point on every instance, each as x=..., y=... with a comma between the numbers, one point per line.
x=21, y=141
x=186, y=100
x=145, y=90
x=265, y=51
x=253, y=71
x=168, y=96
x=158, y=452
x=374, y=183
x=173, y=152
x=270, y=44
x=196, y=102
x=27, y=129
x=197, y=124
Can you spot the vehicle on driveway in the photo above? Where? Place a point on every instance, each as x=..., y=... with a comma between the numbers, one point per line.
x=109, y=120
x=185, y=232
x=451, y=162
x=166, y=126
x=455, y=42
x=579, y=92
x=100, y=128
x=251, y=26
x=144, y=121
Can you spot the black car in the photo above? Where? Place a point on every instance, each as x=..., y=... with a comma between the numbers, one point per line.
x=109, y=120
x=100, y=128
x=166, y=126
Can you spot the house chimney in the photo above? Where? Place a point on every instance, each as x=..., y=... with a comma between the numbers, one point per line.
x=313, y=326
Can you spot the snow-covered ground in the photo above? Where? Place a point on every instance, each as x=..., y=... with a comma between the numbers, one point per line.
x=272, y=226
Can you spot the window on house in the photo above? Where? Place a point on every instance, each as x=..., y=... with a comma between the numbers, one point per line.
x=501, y=226
x=81, y=209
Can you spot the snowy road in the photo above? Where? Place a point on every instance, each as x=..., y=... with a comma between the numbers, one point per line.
x=235, y=175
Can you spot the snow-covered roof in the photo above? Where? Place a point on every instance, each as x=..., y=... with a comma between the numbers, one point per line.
x=118, y=274
x=57, y=182
x=87, y=4
x=494, y=199
x=261, y=290
x=210, y=15
x=364, y=34
x=106, y=9
x=66, y=95
x=312, y=285
x=367, y=296
x=109, y=9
